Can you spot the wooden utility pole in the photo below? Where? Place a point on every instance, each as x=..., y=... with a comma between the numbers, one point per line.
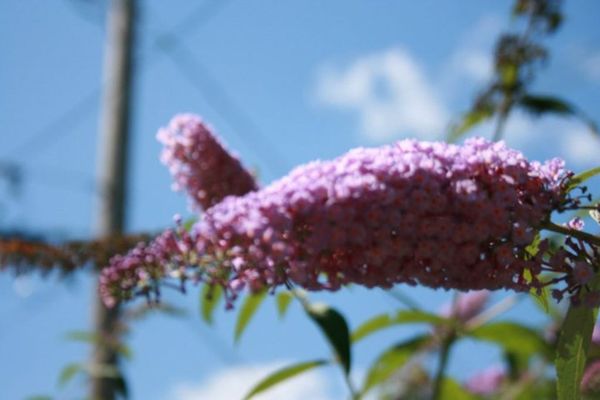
x=114, y=130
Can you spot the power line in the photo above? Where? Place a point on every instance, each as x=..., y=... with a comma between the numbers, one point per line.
x=60, y=126
x=222, y=103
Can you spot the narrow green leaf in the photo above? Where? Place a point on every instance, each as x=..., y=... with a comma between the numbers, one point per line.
x=453, y=390
x=417, y=316
x=247, y=311
x=572, y=349
x=284, y=299
x=384, y=321
x=372, y=325
x=283, y=374
x=513, y=337
x=82, y=336
x=469, y=121
x=582, y=177
x=335, y=328
x=391, y=360
x=68, y=372
x=210, y=297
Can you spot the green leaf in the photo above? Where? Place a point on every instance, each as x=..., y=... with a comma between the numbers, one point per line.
x=189, y=223
x=452, y=390
x=68, y=372
x=210, y=297
x=391, y=360
x=384, y=321
x=469, y=121
x=284, y=299
x=82, y=336
x=572, y=349
x=335, y=328
x=249, y=308
x=282, y=375
x=582, y=177
x=513, y=337
x=541, y=104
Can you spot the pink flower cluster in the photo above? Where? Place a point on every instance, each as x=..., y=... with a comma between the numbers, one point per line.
x=434, y=214
x=439, y=215
x=200, y=164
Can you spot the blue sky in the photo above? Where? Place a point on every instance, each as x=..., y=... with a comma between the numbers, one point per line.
x=283, y=83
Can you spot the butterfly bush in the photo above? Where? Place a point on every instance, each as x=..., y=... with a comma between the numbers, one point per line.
x=200, y=163
x=429, y=213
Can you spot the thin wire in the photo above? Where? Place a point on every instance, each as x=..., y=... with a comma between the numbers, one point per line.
x=223, y=104
x=59, y=127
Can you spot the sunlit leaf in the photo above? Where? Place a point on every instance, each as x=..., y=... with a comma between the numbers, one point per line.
x=82, y=336
x=391, y=360
x=69, y=372
x=283, y=374
x=582, y=177
x=284, y=299
x=513, y=337
x=572, y=349
x=335, y=328
x=469, y=121
x=247, y=311
x=210, y=297
x=384, y=321
x=595, y=214
x=452, y=390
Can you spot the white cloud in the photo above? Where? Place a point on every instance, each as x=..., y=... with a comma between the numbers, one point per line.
x=235, y=382
x=472, y=58
x=591, y=66
x=389, y=91
x=581, y=146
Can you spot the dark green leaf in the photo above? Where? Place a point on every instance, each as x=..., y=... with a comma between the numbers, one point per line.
x=284, y=300
x=334, y=327
x=572, y=349
x=391, y=360
x=582, y=177
x=513, y=337
x=121, y=386
x=247, y=311
x=282, y=375
x=539, y=105
x=68, y=372
x=384, y=321
x=210, y=297
x=469, y=121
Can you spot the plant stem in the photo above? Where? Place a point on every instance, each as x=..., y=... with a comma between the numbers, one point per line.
x=441, y=371
x=587, y=237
